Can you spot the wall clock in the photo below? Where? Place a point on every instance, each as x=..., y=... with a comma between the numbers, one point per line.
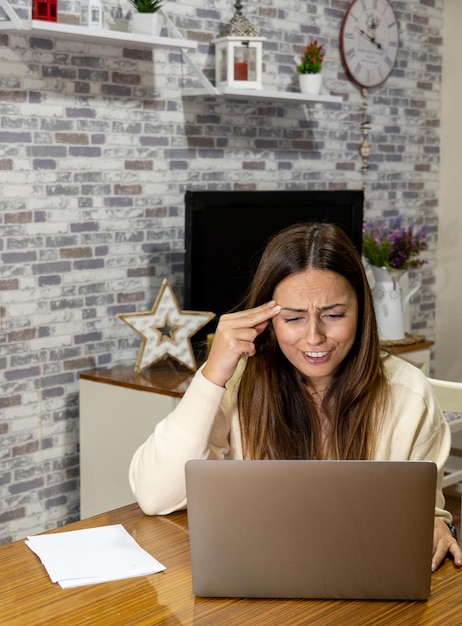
x=369, y=41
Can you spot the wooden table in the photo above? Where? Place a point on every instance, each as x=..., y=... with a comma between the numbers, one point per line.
x=29, y=598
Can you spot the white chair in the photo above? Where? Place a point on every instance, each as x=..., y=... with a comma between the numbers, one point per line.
x=449, y=396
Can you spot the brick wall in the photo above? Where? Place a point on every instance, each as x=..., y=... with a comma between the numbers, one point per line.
x=97, y=148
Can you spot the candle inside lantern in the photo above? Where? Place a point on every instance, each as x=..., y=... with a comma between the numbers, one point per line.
x=241, y=70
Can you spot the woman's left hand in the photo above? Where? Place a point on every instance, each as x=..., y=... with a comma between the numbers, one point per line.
x=444, y=542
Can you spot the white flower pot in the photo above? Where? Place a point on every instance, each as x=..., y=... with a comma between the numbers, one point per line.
x=310, y=84
x=147, y=23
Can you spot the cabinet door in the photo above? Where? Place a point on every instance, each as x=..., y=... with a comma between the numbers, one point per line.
x=419, y=358
x=114, y=421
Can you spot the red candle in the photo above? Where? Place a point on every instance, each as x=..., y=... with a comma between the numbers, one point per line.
x=241, y=71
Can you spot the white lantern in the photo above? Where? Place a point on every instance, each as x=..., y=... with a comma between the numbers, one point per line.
x=238, y=62
x=238, y=54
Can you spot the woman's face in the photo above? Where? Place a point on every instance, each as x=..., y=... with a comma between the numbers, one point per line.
x=316, y=327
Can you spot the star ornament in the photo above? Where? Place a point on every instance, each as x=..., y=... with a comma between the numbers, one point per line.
x=166, y=330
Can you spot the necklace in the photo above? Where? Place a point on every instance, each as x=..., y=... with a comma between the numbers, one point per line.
x=316, y=396
x=321, y=392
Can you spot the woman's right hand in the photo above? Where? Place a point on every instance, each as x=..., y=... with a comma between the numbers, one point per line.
x=234, y=338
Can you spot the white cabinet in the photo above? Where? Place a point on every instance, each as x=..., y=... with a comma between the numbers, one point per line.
x=118, y=411
x=419, y=358
x=418, y=354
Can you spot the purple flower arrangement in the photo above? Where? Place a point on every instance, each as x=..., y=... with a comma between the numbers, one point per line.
x=394, y=247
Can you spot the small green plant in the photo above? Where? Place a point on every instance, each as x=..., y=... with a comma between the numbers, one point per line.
x=312, y=58
x=146, y=6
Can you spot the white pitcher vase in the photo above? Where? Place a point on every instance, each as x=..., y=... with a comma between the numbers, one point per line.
x=389, y=303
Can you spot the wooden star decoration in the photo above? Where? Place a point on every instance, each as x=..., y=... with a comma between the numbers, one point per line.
x=166, y=330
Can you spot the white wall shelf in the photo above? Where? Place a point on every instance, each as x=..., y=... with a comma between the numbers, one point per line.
x=207, y=89
x=42, y=28
x=262, y=94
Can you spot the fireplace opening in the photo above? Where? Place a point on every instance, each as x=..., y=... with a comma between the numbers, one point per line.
x=226, y=232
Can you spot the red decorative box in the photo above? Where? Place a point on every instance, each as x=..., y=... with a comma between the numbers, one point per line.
x=45, y=10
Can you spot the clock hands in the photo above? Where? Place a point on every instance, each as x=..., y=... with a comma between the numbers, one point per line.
x=369, y=38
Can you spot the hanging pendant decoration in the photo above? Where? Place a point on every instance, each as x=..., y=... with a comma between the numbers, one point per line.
x=365, y=147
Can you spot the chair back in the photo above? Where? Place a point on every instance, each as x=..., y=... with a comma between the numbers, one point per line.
x=449, y=394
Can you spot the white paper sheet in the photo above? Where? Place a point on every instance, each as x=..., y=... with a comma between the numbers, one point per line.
x=92, y=555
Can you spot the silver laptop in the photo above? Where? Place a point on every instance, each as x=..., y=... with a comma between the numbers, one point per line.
x=311, y=529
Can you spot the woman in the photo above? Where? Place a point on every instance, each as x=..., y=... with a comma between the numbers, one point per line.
x=299, y=373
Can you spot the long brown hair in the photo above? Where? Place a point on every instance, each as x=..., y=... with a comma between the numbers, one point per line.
x=277, y=419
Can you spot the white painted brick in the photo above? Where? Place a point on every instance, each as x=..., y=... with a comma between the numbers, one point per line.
x=78, y=198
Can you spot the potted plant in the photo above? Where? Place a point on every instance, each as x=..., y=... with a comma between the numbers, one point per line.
x=391, y=252
x=395, y=248
x=310, y=67
x=146, y=19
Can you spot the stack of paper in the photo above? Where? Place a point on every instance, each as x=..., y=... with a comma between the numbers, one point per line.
x=93, y=555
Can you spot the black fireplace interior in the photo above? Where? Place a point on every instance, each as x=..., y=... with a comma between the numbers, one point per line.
x=226, y=232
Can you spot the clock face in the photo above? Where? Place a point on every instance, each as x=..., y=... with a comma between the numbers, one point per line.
x=369, y=41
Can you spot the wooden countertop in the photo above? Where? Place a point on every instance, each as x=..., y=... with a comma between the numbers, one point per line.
x=164, y=378
x=398, y=348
